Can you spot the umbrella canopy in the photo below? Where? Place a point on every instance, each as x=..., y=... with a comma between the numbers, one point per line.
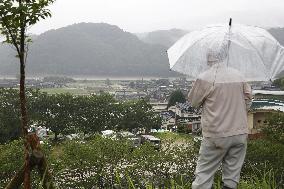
x=250, y=50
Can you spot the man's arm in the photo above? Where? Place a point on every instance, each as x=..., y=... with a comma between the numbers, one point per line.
x=199, y=92
x=248, y=95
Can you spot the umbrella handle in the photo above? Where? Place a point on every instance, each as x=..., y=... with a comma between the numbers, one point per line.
x=229, y=42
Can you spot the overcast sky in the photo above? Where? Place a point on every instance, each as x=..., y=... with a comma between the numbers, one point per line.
x=147, y=15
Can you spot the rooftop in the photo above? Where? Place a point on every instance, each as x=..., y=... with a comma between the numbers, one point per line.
x=268, y=92
x=268, y=104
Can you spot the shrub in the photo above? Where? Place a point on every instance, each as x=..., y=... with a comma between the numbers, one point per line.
x=262, y=156
x=274, y=130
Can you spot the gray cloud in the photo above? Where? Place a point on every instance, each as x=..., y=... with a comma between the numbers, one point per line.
x=148, y=15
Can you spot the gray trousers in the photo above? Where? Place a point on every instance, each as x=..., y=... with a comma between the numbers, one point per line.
x=229, y=152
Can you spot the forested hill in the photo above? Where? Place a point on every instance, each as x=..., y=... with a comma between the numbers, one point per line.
x=165, y=38
x=98, y=49
x=89, y=49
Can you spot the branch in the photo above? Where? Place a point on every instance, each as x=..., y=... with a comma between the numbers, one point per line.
x=26, y=55
x=12, y=36
x=17, y=180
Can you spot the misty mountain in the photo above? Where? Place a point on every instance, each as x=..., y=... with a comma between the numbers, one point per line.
x=89, y=49
x=165, y=38
x=278, y=33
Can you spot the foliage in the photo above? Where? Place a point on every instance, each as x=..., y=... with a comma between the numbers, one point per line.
x=17, y=16
x=262, y=156
x=176, y=96
x=164, y=82
x=274, y=130
x=56, y=113
x=10, y=127
x=66, y=114
x=101, y=161
x=108, y=82
x=94, y=113
x=91, y=163
x=183, y=128
x=266, y=182
x=137, y=114
x=58, y=79
x=10, y=160
x=105, y=163
x=180, y=137
x=279, y=83
x=9, y=115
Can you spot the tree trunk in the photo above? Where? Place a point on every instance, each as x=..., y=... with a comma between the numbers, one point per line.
x=36, y=159
x=31, y=150
x=55, y=136
x=24, y=122
x=24, y=118
x=45, y=176
x=17, y=180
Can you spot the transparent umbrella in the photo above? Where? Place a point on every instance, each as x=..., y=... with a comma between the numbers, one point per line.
x=250, y=50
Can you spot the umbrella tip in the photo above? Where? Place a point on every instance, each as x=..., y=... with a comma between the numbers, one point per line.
x=230, y=22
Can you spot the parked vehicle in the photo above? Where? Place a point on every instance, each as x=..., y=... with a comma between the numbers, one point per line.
x=135, y=142
x=156, y=142
x=109, y=134
x=131, y=137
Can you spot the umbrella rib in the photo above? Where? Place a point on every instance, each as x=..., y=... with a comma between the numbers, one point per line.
x=254, y=49
x=193, y=47
x=214, y=32
x=201, y=39
x=194, y=44
x=268, y=38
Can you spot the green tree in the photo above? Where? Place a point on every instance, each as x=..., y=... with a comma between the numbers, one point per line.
x=15, y=18
x=9, y=115
x=58, y=80
x=279, y=83
x=132, y=84
x=57, y=112
x=10, y=123
x=138, y=114
x=108, y=82
x=176, y=96
x=274, y=129
x=95, y=113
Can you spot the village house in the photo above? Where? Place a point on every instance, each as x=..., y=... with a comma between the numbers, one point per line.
x=259, y=113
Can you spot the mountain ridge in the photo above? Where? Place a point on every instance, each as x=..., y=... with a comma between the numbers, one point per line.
x=98, y=49
x=89, y=49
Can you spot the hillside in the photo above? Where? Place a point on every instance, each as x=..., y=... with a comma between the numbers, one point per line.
x=165, y=38
x=278, y=33
x=88, y=49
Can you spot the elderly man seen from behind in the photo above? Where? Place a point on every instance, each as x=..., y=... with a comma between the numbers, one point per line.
x=224, y=96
